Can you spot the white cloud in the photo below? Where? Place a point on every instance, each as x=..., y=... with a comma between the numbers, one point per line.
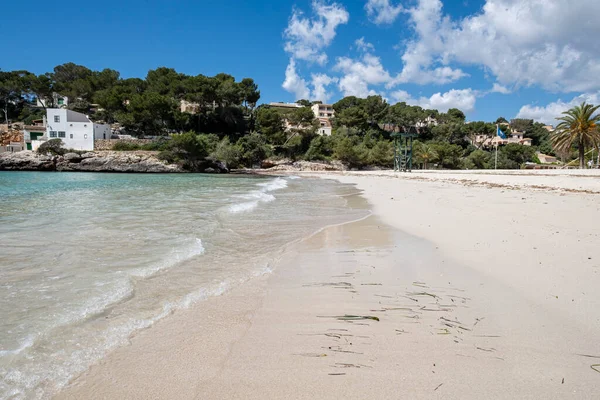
x=382, y=11
x=320, y=83
x=463, y=99
x=422, y=61
x=363, y=45
x=307, y=37
x=294, y=83
x=359, y=74
x=548, y=114
x=498, y=88
x=548, y=43
x=297, y=85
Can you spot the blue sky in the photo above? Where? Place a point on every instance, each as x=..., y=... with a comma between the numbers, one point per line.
x=527, y=58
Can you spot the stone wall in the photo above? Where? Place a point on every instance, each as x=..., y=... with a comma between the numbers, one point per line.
x=103, y=145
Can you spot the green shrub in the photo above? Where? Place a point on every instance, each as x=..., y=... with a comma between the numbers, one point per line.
x=253, y=149
x=157, y=145
x=381, y=154
x=189, y=150
x=346, y=151
x=448, y=155
x=320, y=149
x=52, y=146
x=517, y=155
x=479, y=159
x=228, y=153
x=126, y=146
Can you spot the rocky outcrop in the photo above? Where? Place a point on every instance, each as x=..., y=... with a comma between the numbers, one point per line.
x=11, y=136
x=26, y=161
x=287, y=165
x=101, y=161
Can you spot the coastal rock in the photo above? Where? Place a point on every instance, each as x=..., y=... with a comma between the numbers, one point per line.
x=26, y=161
x=101, y=161
x=72, y=157
x=310, y=166
x=269, y=163
x=210, y=166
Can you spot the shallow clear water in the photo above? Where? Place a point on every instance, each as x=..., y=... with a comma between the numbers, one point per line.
x=88, y=259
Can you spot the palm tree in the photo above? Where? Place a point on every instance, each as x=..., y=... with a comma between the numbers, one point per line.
x=425, y=153
x=578, y=126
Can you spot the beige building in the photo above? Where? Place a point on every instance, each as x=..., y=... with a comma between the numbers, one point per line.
x=285, y=105
x=323, y=110
x=488, y=141
x=188, y=107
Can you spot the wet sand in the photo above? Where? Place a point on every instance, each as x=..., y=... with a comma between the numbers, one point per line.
x=469, y=292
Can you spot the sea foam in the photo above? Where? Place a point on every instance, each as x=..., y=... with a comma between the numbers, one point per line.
x=194, y=248
x=258, y=196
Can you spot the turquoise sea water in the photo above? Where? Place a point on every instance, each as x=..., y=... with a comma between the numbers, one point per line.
x=88, y=259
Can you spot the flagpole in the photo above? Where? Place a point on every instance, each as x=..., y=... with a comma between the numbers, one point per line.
x=496, y=162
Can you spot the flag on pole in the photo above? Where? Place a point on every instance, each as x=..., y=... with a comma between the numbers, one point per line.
x=499, y=132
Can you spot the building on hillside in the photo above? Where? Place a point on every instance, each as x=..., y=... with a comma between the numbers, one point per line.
x=76, y=130
x=519, y=138
x=285, y=105
x=546, y=162
x=323, y=110
x=35, y=134
x=188, y=107
x=324, y=127
x=549, y=128
x=57, y=101
x=491, y=141
x=546, y=159
x=429, y=121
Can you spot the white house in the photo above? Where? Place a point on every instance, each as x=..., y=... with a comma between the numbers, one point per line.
x=57, y=100
x=324, y=127
x=76, y=130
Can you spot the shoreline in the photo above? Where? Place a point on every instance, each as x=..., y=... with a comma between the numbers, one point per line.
x=525, y=316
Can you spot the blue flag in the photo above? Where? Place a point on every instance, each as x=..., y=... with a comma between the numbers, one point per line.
x=499, y=132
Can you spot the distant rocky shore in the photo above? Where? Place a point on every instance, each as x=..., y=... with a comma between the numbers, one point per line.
x=139, y=161
x=101, y=161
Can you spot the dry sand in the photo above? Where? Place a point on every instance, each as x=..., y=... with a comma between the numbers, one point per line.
x=486, y=289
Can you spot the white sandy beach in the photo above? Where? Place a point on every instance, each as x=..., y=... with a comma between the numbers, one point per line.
x=485, y=287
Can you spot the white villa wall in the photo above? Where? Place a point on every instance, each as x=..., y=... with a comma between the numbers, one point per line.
x=35, y=144
x=78, y=135
x=101, y=131
x=324, y=131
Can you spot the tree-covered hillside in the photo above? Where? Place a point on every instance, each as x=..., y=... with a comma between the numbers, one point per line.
x=220, y=118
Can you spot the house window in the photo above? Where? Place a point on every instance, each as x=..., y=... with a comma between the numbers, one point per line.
x=52, y=133
x=61, y=134
x=71, y=136
x=57, y=118
x=61, y=101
